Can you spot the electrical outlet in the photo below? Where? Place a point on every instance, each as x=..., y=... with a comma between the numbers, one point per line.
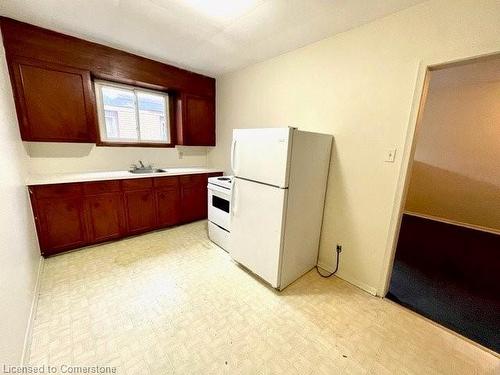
x=339, y=248
x=390, y=155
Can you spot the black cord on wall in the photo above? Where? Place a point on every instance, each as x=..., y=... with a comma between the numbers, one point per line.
x=339, y=250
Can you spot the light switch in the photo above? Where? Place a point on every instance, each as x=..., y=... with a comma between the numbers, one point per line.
x=390, y=155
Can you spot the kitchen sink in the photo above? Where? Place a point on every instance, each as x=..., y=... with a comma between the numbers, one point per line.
x=147, y=170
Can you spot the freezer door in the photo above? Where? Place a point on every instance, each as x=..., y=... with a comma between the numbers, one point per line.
x=262, y=155
x=256, y=228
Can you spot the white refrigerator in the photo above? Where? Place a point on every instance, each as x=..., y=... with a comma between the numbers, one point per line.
x=279, y=187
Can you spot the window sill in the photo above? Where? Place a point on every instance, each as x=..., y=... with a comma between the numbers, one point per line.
x=130, y=144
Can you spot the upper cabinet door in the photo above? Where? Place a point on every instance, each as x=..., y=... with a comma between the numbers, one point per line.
x=196, y=120
x=54, y=103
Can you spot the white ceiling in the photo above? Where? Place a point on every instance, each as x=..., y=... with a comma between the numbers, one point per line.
x=207, y=36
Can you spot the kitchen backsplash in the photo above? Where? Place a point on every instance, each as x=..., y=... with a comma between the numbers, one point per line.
x=47, y=158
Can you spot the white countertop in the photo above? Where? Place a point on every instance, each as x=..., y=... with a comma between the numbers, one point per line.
x=61, y=178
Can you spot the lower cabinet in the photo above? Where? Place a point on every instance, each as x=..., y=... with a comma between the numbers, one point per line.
x=104, y=210
x=105, y=217
x=140, y=211
x=194, y=196
x=74, y=215
x=139, y=205
x=61, y=224
x=168, y=201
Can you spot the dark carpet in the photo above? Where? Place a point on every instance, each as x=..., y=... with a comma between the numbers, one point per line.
x=450, y=275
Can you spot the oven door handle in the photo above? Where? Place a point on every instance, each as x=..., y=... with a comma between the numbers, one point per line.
x=218, y=189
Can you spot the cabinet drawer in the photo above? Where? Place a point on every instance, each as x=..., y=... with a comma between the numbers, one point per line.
x=137, y=184
x=99, y=187
x=57, y=190
x=193, y=179
x=161, y=182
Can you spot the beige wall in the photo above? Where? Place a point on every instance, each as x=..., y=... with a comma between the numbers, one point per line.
x=456, y=174
x=47, y=158
x=455, y=197
x=19, y=254
x=358, y=86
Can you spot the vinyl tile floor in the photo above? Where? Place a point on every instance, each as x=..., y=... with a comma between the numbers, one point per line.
x=172, y=302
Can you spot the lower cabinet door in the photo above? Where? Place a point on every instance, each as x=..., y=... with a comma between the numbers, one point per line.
x=62, y=224
x=194, y=202
x=168, y=206
x=140, y=210
x=105, y=216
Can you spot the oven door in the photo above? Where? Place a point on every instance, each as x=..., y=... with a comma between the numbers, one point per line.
x=219, y=206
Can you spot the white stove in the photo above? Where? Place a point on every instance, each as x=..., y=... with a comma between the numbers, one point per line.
x=223, y=181
x=219, y=210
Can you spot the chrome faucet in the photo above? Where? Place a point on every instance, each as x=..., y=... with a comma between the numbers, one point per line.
x=141, y=167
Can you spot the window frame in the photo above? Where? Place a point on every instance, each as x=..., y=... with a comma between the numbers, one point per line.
x=101, y=122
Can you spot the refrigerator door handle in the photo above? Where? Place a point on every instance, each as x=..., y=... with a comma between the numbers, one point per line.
x=233, y=199
x=233, y=148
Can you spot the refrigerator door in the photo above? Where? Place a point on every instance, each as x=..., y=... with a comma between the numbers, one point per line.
x=256, y=228
x=262, y=155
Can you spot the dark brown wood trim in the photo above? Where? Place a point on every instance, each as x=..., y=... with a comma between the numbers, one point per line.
x=171, y=110
x=192, y=95
x=130, y=82
x=172, y=118
x=22, y=39
x=125, y=144
x=179, y=116
x=15, y=76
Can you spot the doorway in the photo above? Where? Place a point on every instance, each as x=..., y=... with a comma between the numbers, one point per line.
x=447, y=261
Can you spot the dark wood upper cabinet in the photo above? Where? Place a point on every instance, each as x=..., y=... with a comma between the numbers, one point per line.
x=195, y=120
x=51, y=76
x=54, y=103
x=22, y=39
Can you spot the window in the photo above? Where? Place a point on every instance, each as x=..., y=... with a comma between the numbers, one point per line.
x=129, y=114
